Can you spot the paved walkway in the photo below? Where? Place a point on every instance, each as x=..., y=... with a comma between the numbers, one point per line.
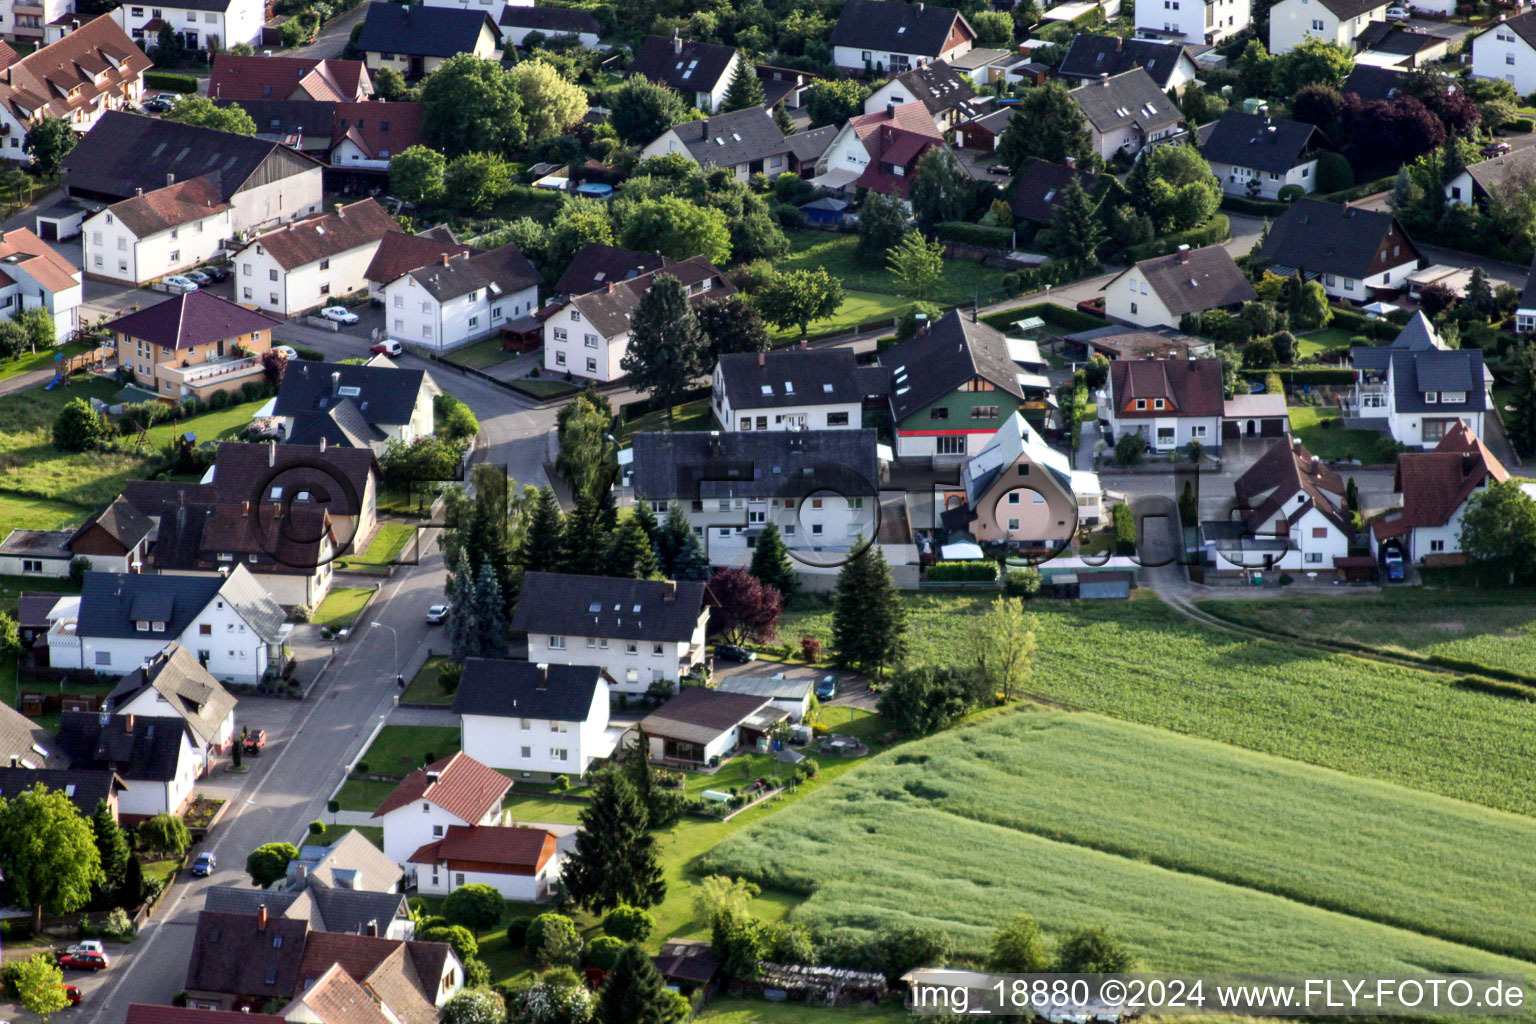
x=423, y=716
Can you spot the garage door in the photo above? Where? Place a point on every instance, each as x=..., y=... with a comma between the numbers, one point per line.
x=1104, y=590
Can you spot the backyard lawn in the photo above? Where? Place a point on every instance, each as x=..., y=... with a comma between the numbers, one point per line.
x=32, y=467
x=695, y=415
x=374, y=834
x=364, y=794
x=424, y=689
x=1322, y=431
x=225, y=424
x=401, y=749
x=479, y=355
x=388, y=541
x=43, y=360
x=1309, y=345
x=21, y=512
x=342, y=606
x=760, y=1011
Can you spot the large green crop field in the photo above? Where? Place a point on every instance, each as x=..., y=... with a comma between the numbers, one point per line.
x=1144, y=662
x=1180, y=844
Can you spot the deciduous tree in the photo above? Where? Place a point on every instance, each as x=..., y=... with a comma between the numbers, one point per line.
x=416, y=175
x=1007, y=646
x=269, y=862
x=916, y=263
x=40, y=986
x=551, y=103
x=677, y=229
x=640, y=110
x=882, y=222
x=471, y=105
x=1094, y=949
x=941, y=188
x=477, y=181
x=165, y=833
x=48, y=143
x=1498, y=529
x=747, y=610
x=799, y=297
x=78, y=427
x=475, y=1006
x=835, y=100
x=49, y=859
x=731, y=325
x=200, y=110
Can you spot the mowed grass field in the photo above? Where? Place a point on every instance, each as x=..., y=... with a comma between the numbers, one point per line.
x=1144, y=662
x=1489, y=627
x=1180, y=844
x=31, y=466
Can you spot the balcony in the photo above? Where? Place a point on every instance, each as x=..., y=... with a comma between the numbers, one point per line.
x=219, y=374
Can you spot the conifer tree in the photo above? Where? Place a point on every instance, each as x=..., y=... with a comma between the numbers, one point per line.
x=614, y=861
x=582, y=543
x=463, y=630
x=647, y=519
x=666, y=347
x=1522, y=419
x=672, y=540
x=111, y=846
x=782, y=119
x=490, y=616
x=633, y=992
x=692, y=562
x=541, y=542
x=745, y=89
x=631, y=553
x=771, y=562
x=1078, y=231
x=869, y=621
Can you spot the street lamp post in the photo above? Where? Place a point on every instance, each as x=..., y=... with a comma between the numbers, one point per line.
x=399, y=679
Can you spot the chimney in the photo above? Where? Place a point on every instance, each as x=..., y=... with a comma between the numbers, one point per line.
x=677, y=41
x=890, y=111
x=610, y=287
x=302, y=872
x=669, y=590
x=271, y=454
x=246, y=512
x=1070, y=161
x=762, y=359
x=1119, y=43
x=15, y=761
x=335, y=381
x=1183, y=254
x=261, y=918
x=170, y=179
x=1104, y=79
x=543, y=668
x=322, y=446
x=1315, y=461
x=433, y=775
x=372, y=929
x=805, y=344
x=445, y=259
x=128, y=723
x=714, y=444
x=1466, y=465
x=138, y=192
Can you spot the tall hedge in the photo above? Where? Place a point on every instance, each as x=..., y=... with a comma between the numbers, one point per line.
x=962, y=572
x=1050, y=312
x=1217, y=229
x=974, y=234
x=170, y=82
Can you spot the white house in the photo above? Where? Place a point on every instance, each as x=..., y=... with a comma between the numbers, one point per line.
x=35, y=21
x=461, y=298
x=1090, y=55
x=745, y=142
x=700, y=72
x=1292, y=22
x=520, y=863
x=93, y=69
x=1290, y=496
x=1256, y=156
x=155, y=756
x=34, y=276
x=1419, y=386
x=1169, y=402
x=455, y=790
x=795, y=389
x=495, y=8
x=415, y=40
x=1507, y=50
x=1357, y=254
x=639, y=632
x=1158, y=292
x=313, y=262
x=537, y=720
x=700, y=727
x=518, y=21
x=942, y=91
x=1126, y=112
x=1193, y=22
x=230, y=623
x=589, y=335
x=887, y=35
x=201, y=24
x=175, y=228
x=173, y=685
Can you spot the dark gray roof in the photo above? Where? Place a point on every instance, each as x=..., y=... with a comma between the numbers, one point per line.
x=513, y=689
x=151, y=496
x=1131, y=97
x=692, y=465
x=686, y=66
x=343, y=423
x=737, y=137
x=596, y=264
x=1041, y=187
x=550, y=20
x=610, y=308
x=27, y=741
x=1418, y=335
x=955, y=349
x=609, y=606
x=188, y=688
x=151, y=750
x=1348, y=9
x=1090, y=56
x=996, y=122
x=503, y=271
x=1197, y=279
x=894, y=27
x=1489, y=174
x=335, y=478
x=85, y=787
x=768, y=380
x=1528, y=293
x=310, y=118
x=808, y=146
x=231, y=956
x=109, y=601
x=383, y=394
x=937, y=86
x=420, y=31
x=1272, y=145
x=1392, y=37
x=227, y=899
x=1324, y=237
x=1522, y=25
x=1373, y=83
x=1417, y=372
x=121, y=521
x=329, y=908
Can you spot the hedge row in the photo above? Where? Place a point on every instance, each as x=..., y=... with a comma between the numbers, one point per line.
x=1256, y=207
x=1359, y=323
x=1217, y=229
x=974, y=234
x=170, y=82
x=1521, y=124
x=1360, y=191
x=962, y=572
x=1050, y=312
x=1306, y=375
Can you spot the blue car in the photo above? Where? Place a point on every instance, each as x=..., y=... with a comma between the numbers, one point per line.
x=204, y=865
x=1394, y=564
x=826, y=687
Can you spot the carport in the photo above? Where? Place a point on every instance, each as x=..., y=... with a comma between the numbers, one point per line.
x=1254, y=416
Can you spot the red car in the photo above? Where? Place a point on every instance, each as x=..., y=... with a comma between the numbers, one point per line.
x=387, y=348
x=83, y=961
x=72, y=994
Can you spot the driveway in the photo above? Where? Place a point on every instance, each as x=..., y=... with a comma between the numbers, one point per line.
x=852, y=689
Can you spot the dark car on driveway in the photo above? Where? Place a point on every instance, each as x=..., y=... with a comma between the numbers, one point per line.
x=826, y=687
x=730, y=652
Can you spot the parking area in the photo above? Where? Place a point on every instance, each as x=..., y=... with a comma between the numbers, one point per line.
x=852, y=689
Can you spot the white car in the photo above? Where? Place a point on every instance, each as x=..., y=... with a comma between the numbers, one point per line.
x=286, y=351
x=1398, y=14
x=340, y=314
x=88, y=946
x=186, y=284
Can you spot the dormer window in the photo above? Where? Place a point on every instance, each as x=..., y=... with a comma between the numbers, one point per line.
x=1141, y=403
x=1157, y=403
x=1431, y=397
x=142, y=627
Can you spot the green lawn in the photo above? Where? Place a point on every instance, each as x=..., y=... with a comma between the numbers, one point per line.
x=43, y=360
x=364, y=794
x=543, y=387
x=342, y=606
x=759, y=1011
x=1309, y=345
x=388, y=541
x=374, y=834
x=225, y=424
x=31, y=467
x=523, y=808
x=20, y=512
x=424, y=689
x=1206, y=857
x=1324, y=435
x=479, y=355
x=401, y=749
x=1489, y=627
x=1142, y=661
x=695, y=415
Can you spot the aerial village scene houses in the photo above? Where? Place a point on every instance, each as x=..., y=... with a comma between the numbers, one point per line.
x=513, y=511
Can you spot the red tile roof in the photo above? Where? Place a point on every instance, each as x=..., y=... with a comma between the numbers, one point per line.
x=328, y=234
x=899, y=136
x=378, y=128
x=280, y=78
x=46, y=266
x=180, y=203
x=399, y=254
x=195, y=318
x=1191, y=387
x=459, y=785
x=40, y=84
x=526, y=850
x=144, y=1013
x=1435, y=484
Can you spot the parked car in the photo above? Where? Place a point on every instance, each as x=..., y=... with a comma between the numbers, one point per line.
x=437, y=615
x=1394, y=565
x=340, y=314
x=826, y=687
x=286, y=351
x=186, y=284
x=198, y=276
x=1495, y=149
x=88, y=946
x=254, y=742
x=1002, y=170
x=72, y=994
x=387, y=348
x=730, y=652
x=204, y=865
x=84, y=961
x=217, y=273
x=1398, y=14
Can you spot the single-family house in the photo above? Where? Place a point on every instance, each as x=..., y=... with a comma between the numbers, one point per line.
x=24, y=744
x=744, y=142
x=1193, y=22
x=289, y=550
x=793, y=389
x=492, y=7
x=1292, y=22
x=327, y=79
x=138, y=240
x=1169, y=402
x=701, y=727
x=638, y=631
x=589, y=335
x=342, y=481
x=455, y=790
x=313, y=262
x=392, y=402
x=1394, y=44
x=596, y=265
x=892, y=36
x=415, y=40
x=518, y=22
x=156, y=758
x=461, y=298
x=399, y=254
x=113, y=540
x=335, y=997
x=821, y=488
x=94, y=70
x=244, y=963
x=1255, y=156
x=327, y=908
x=878, y=151
x=1040, y=189
x=519, y=862
x=984, y=133
x=943, y=92
x=1158, y=292
x=780, y=689
x=211, y=25
x=414, y=979
x=1475, y=183
x=351, y=862
x=952, y=386
x=1420, y=386
x=126, y=154
x=192, y=345
x=1090, y=55
x=1507, y=50
x=700, y=72
x=1289, y=495
x=982, y=65
x=172, y=684
x=1021, y=494
x=1126, y=112
x=539, y=720
x=34, y=276
x=229, y=622
x=1355, y=253
x=86, y=788
x=1374, y=83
